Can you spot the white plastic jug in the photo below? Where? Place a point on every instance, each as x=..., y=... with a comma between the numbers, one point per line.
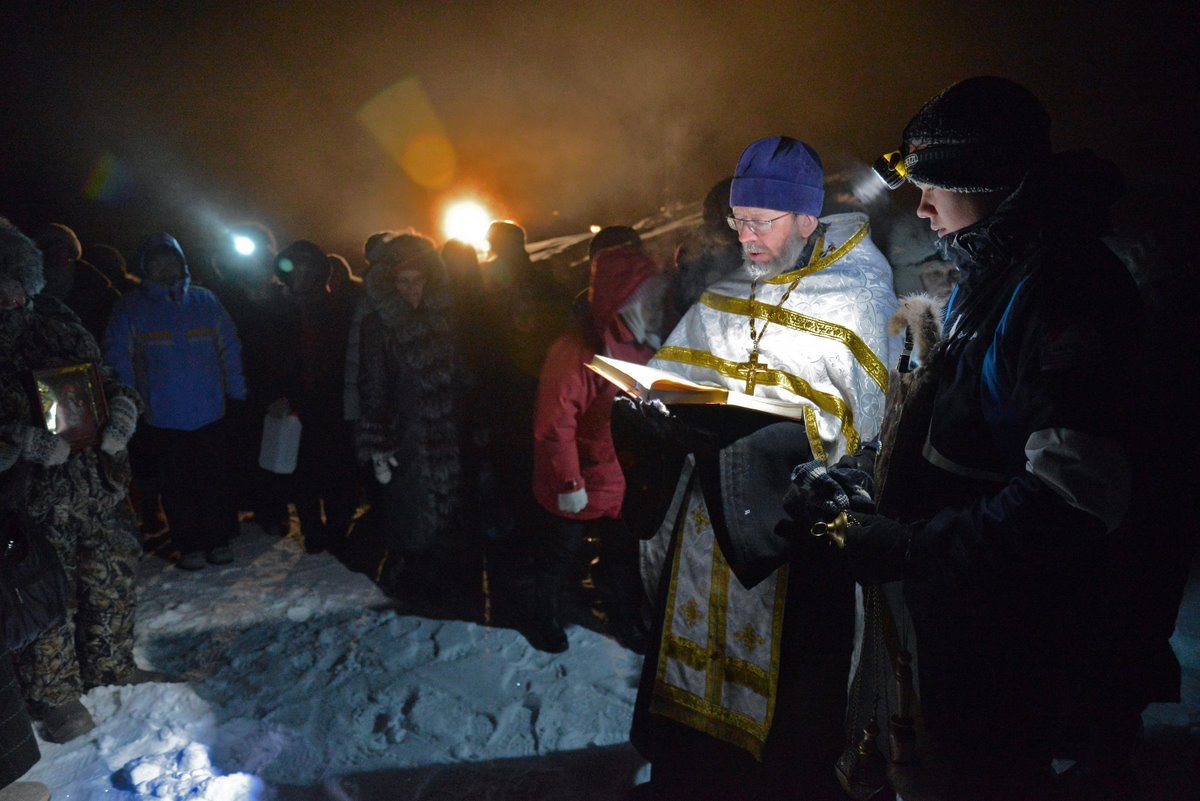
x=280, y=443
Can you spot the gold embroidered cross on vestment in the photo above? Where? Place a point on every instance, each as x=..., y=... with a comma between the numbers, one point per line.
x=748, y=637
x=691, y=612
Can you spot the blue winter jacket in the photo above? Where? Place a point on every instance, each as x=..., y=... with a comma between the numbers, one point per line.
x=177, y=346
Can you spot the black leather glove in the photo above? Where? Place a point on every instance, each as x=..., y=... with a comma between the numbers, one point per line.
x=876, y=548
x=652, y=419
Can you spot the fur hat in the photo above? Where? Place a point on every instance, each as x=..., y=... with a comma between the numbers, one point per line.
x=506, y=237
x=373, y=242
x=20, y=259
x=405, y=251
x=716, y=204
x=300, y=249
x=612, y=236
x=57, y=234
x=980, y=135
x=779, y=173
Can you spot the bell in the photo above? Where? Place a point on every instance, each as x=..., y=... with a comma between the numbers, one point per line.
x=861, y=769
x=835, y=529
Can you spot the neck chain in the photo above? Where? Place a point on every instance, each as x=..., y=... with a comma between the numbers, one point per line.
x=751, y=366
x=750, y=369
x=756, y=334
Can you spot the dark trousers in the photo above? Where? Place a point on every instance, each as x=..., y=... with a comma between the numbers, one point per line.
x=557, y=546
x=560, y=548
x=326, y=474
x=147, y=485
x=195, y=483
x=259, y=491
x=18, y=747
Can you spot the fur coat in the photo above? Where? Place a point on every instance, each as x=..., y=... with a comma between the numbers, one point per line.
x=48, y=334
x=410, y=398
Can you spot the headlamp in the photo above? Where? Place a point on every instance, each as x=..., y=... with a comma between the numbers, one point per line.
x=891, y=169
x=244, y=245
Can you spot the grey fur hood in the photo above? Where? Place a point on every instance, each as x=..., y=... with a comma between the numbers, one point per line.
x=20, y=259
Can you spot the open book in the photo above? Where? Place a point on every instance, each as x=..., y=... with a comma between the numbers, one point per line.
x=651, y=383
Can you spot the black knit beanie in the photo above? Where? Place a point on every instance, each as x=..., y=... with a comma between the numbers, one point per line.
x=980, y=135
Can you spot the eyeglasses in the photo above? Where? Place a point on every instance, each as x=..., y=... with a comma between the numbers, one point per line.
x=755, y=226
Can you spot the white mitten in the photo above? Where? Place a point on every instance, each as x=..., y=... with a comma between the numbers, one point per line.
x=572, y=502
x=41, y=447
x=122, y=422
x=383, y=463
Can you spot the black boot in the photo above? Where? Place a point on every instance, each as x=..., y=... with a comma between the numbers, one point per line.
x=620, y=591
x=625, y=624
x=316, y=538
x=545, y=631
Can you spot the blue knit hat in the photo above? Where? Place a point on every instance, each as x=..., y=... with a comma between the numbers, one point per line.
x=779, y=173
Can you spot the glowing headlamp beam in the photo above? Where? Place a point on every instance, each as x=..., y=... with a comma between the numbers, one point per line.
x=243, y=244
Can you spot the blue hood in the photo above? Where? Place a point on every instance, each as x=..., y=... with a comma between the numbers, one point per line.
x=153, y=243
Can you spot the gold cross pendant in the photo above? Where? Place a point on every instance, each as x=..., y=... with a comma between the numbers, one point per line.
x=750, y=370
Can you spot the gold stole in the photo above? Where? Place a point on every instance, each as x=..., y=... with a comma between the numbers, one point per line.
x=718, y=667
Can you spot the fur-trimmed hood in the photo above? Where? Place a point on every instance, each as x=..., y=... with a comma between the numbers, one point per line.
x=20, y=259
x=921, y=316
x=382, y=293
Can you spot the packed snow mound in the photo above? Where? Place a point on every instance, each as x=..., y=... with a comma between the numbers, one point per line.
x=290, y=671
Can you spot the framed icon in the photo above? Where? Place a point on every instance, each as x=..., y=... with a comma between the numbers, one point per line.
x=72, y=403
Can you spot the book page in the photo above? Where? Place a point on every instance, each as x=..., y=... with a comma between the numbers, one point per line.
x=631, y=376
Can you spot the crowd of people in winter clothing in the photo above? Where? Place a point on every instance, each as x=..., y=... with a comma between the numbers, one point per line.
x=446, y=406
x=406, y=382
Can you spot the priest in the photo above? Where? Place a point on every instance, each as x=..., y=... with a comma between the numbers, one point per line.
x=743, y=693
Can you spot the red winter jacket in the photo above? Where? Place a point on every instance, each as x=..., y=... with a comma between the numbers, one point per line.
x=572, y=439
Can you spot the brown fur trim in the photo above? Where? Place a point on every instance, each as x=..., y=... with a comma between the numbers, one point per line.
x=922, y=315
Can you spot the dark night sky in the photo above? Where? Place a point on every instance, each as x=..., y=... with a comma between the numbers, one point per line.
x=563, y=114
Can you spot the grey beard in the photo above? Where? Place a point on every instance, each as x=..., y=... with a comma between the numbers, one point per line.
x=792, y=250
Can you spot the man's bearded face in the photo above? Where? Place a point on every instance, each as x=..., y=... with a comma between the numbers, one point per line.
x=773, y=251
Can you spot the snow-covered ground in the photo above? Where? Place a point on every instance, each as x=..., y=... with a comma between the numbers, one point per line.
x=295, y=678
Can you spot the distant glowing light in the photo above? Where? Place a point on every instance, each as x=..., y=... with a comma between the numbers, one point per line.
x=467, y=221
x=243, y=244
x=286, y=265
x=595, y=229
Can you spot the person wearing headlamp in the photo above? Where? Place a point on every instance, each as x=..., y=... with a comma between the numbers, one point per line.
x=1001, y=508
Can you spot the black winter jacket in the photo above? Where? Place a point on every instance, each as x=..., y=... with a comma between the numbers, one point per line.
x=1025, y=467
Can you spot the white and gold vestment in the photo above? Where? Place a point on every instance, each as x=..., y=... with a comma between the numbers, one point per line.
x=825, y=348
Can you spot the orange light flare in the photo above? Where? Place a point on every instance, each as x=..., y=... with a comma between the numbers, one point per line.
x=467, y=220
